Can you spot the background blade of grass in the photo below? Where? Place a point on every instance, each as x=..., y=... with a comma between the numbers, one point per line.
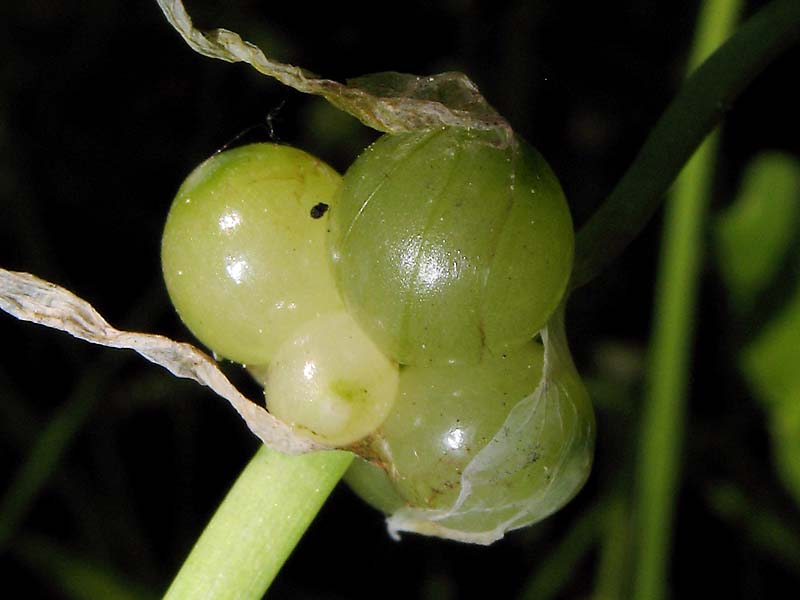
x=694, y=112
x=51, y=444
x=766, y=530
x=613, y=570
x=666, y=384
x=555, y=571
x=75, y=576
x=48, y=450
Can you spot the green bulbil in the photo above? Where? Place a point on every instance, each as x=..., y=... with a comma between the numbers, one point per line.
x=446, y=246
x=480, y=449
x=464, y=407
x=243, y=258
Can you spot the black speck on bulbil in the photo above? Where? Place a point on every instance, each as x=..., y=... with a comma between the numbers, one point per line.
x=318, y=210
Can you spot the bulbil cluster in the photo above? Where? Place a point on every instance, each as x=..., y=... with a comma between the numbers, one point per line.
x=400, y=312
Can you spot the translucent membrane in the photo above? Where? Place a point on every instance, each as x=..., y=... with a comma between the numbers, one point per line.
x=536, y=460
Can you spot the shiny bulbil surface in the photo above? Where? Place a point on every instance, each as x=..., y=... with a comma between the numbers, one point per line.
x=330, y=381
x=470, y=453
x=446, y=414
x=244, y=261
x=445, y=247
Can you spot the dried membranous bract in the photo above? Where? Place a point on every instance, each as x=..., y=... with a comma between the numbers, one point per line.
x=473, y=451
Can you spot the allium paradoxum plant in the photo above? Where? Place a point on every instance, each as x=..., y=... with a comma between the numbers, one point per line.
x=409, y=313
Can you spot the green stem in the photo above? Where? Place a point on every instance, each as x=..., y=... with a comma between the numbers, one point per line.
x=676, y=291
x=258, y=525
x=42, y=461
x=613, y=562
x=557, y=569
x=691, y=116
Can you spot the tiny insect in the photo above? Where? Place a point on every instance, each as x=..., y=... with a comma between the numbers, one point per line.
x=318, y=210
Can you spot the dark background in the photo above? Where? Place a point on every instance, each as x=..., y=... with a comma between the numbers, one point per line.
x=104, y=110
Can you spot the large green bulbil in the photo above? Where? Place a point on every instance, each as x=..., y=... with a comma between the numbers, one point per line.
x=243, y=259
x=446, y=246
x=472, y=451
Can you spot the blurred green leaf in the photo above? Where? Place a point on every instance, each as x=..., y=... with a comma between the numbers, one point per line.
x=73, y=575
x=755, y=233
x=754, y=239
x=784, y=427
x=763, y=528
x=438, y=586
x=557, y=570
x=771, y=362
x=47, y=452
x=771, y=365
x=332, y=133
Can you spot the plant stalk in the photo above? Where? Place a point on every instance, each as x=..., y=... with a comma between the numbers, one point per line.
x=257, y=526
x=666, y=386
